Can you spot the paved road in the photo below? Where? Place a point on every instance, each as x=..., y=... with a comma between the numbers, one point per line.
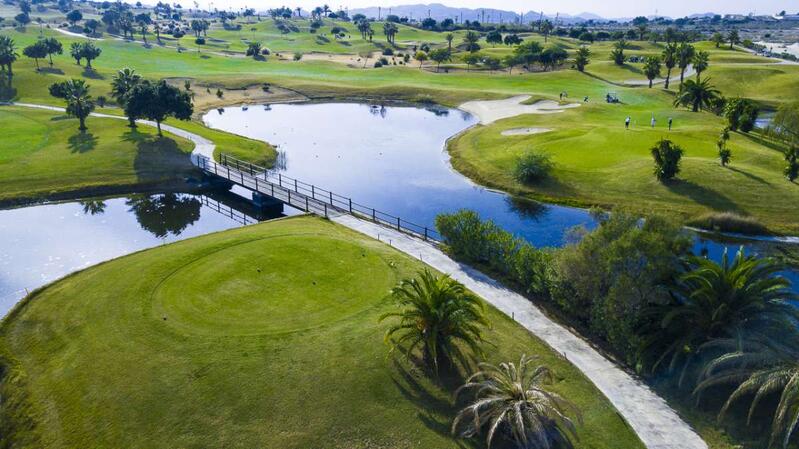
x=657, y=424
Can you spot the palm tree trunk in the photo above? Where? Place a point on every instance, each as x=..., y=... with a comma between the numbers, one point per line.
x=682, y=74
x=650, y=84
x=36, y=60
x=51, y=59
x=668, y=77
x=158, y=124
x=82, y=121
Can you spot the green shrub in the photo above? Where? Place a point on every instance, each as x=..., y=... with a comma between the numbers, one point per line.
x=730, y=222
x=532, y=167
x=483, y=242
x=667, y=156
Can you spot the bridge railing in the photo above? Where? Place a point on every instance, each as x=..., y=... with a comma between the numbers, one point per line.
x=249, y=175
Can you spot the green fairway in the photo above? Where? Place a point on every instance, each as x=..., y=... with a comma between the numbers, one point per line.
x=264, y=336
x=42, y=154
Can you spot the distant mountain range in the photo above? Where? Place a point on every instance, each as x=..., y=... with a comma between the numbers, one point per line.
x=440, y=12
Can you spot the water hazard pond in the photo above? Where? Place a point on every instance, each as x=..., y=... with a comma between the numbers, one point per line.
x=390, y=158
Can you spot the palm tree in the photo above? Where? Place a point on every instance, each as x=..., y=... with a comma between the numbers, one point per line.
x=470, y=39
x=449, y=37
x=685, y=54
x=713, y=301
x=515, y=399
x=617, y=54
x=8, y=54
x=438, y=316
x=390, y=29
x=717, y=39
x=79, y=103
x=757, y=369
x=582, y=58
x=700, y=62
x=669, y=60
x=546, y=28
x=733, y=38
x=652, y=68
x=123, y=82
x=697, y=94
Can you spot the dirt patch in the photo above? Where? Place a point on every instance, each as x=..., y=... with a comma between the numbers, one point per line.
x=525, y=131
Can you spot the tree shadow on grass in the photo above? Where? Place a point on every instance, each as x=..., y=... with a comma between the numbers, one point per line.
x=158, y=158
x=82, y=142
x=92, y=74
x=766, y=142
x=749, y=175
x=702, y=195
x=51, y=70
x=418, y=385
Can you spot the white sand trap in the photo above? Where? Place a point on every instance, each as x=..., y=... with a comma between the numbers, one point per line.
x=524, y=131
x=493, y=110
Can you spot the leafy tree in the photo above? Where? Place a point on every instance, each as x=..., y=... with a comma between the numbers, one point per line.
x=494, y=37
x=143, y=20
x=53, y=46
x=697, y=94
x=733, y=38
x=8, y=54
x=90, y=26
x=652, y=68
x=157, y=101
x=669, y=60
x=254, y=49
x=741, y=114
x=439, y=317
x=553, y=56
x=472, y=59
x=516, y=399
x=717, y=39
x=89, y=52
x=617, y=54
x=528, y=52
x=701, y=61
x=74, y=17
x=121, y=85
x=685, y=55
x=667, y=157
x=440, y=55
x=421, y=57
x=512, y=39
x=511, y=61
x=582, y=58
x=79, y=103
x=724, y=153
x=785, y=125
x=36, y=51
x=470, y=39
x=22, y=19
x=710, y=301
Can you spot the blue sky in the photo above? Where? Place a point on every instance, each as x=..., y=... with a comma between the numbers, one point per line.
x=607, y=8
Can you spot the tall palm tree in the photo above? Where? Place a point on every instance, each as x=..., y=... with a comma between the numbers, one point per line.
x=8, y=54
x=79, y=103
x=470, y=39
x=514, y=399
x=697, y=94
x=390, y=29
x=685, y=54
x=123, y=82
x=438, y=316
x=449, y=37
x=701, y=61
x=669, y=60
x=715, y=301
x=733, y=38
x=652, y=68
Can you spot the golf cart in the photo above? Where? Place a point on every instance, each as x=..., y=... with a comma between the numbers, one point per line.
x=611, y=97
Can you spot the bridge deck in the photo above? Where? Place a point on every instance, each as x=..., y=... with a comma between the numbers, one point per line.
x=304, y=196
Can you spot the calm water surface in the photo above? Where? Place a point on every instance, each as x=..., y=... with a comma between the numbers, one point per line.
x=394, y=159
x=45, y=242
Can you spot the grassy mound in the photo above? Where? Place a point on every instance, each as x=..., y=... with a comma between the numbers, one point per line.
x=264, y=336
x=42, y=154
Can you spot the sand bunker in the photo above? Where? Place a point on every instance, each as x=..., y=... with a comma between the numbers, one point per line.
x=493, y=110
x=524, y=131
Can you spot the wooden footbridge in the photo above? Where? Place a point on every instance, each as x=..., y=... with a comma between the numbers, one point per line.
x=267, y=186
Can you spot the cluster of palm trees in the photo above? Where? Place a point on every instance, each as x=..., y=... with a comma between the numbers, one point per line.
x=730, y=328
x=444, y=323
x=8, y=55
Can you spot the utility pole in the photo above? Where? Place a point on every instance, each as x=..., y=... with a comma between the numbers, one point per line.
x=379, y=10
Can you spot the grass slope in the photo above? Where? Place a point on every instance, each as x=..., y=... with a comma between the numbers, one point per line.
x=264, y=336
x=42, y=154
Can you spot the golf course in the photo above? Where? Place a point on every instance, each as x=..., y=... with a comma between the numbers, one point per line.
x=625, y=329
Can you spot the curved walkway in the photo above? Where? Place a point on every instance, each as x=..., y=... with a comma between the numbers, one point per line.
x=657, y=425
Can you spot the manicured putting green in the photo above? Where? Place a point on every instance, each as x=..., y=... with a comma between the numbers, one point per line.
x=222, y=294
x=190, y=346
